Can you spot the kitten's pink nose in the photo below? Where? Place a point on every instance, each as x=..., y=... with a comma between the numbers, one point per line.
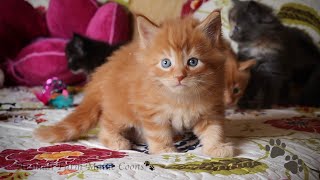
x=180, y=78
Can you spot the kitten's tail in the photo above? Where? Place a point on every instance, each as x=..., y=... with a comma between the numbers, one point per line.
x=84, y=117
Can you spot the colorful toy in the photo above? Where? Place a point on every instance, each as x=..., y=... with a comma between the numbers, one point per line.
x=55, y=93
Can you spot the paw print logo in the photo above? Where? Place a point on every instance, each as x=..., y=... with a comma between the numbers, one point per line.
x=276, y=148
x=147, y=164
x=151, y=167
x=294, y=165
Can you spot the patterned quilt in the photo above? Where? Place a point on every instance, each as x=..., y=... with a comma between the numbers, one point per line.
x=272, y=144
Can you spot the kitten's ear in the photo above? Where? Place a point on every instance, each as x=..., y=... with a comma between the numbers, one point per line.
x=146, y=30
x=212, y=26
x=77, y=44
x=247, y=65
x=77, y=40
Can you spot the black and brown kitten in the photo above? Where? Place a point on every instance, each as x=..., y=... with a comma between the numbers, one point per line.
x=288, y=62
x=85, y=54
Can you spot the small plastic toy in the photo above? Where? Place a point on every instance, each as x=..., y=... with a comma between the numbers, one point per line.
x=55, y=93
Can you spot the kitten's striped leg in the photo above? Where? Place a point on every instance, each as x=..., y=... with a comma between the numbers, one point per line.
x=159, y=137
x=211, y=135
x=111, y=136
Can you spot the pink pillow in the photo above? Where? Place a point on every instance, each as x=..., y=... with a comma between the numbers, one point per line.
x=110, y=24
x=41, y=60
x=19, y=24
x=67, y=16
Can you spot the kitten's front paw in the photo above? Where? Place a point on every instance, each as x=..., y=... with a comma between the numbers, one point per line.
x=219, y=151
x=120, y=144
x=166, y=149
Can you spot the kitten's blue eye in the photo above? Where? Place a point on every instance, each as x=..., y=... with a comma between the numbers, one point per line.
x=193, y=62
x=165, y=63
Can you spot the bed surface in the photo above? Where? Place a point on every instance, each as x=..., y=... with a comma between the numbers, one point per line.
x=272, y=144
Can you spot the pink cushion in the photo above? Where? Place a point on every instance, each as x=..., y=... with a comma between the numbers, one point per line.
x=41, y=60
x=19, y=24
x=110, y=24
x=67, y=16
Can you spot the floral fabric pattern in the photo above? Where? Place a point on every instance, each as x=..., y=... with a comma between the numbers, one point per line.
x=54, y=156
x=279, y=143
x=307, y=124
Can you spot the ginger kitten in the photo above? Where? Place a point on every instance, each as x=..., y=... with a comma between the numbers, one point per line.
x=169, y=81
x=237, y=75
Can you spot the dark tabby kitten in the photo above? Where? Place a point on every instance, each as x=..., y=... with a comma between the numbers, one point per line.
x=288, y=62
x=85, y=54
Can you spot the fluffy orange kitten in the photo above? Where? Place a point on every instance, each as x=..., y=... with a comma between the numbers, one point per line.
x=169, y=81
x=237, y=75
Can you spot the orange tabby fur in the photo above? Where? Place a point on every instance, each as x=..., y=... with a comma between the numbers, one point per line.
x=132, y=90
x=237, y=75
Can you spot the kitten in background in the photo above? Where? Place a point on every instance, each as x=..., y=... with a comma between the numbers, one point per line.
x=170, y=80
x=85, y=54
x=286, y=57
x=237, y=75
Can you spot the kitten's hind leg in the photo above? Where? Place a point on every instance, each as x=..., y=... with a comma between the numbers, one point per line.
x=111, y=135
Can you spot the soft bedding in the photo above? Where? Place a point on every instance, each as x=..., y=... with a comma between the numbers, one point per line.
x=281, y=143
